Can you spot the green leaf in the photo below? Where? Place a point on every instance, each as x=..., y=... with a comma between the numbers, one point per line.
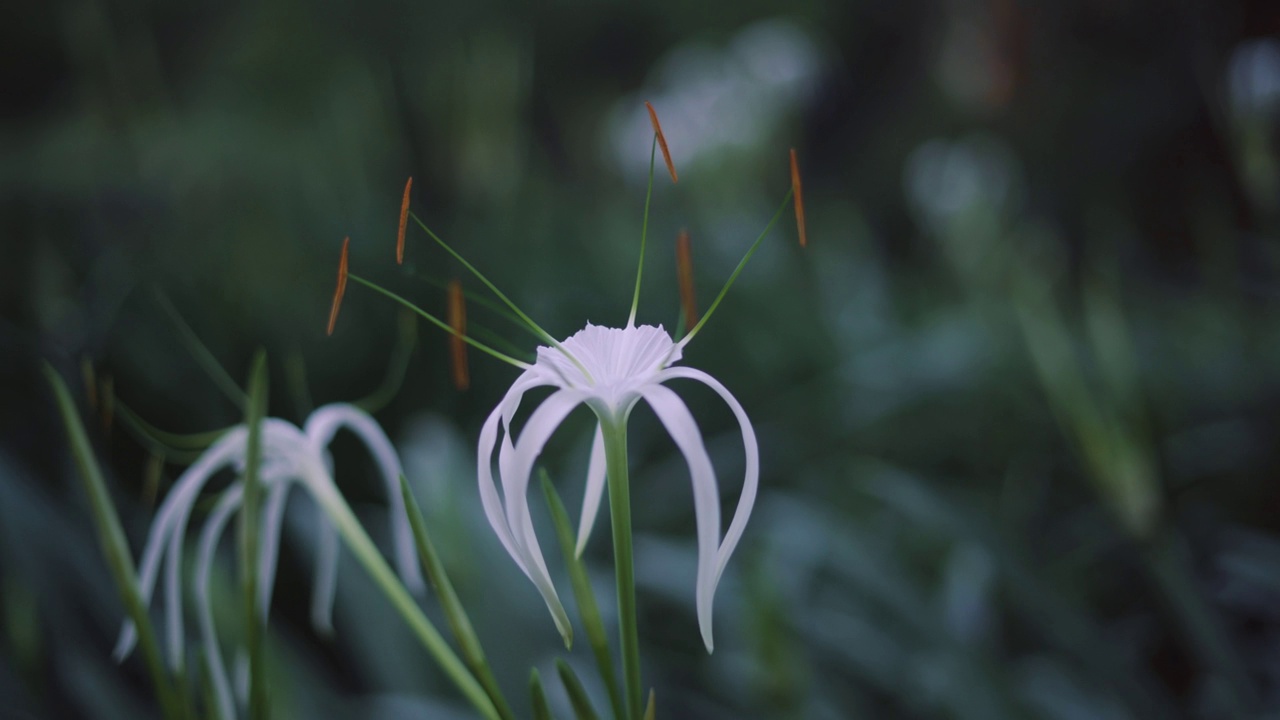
x=250, y=516
x=588, y=610
x=651, y=710
x=582, y=709
x=459, y=623
x=541, y=711
x=114, y=546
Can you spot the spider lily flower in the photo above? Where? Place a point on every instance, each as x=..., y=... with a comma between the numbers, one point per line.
x=609, y=370
x=289, y=454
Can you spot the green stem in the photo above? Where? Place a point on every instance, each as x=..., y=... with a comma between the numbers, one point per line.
x=250, y=514
x=327, y=495
x=615, y=454
x=644, y=233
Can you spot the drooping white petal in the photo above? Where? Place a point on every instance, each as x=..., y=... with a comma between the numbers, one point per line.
x=489, y=498
x=269, y=552
x=177, y=504
x=594, y=491
x=679, y=422
x=320, y=428
x=209, y=536
x=533, y=438
x=751, y=475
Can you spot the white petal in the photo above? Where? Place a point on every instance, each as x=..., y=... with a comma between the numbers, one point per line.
x=269, y=552
x=594, y=491
x=209, y=536
x=489, y=498
x=751, y=476
x=671, y=410
x=533, y=439
x=320, y=428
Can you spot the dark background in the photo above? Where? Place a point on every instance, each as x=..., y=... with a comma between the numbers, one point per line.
x=1018, y=401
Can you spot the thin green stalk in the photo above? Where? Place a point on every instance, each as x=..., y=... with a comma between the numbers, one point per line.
x=652, y=710
x=114, y=546
x=476, y=298
x=440, y=323
x=615, y=454
x=250, y=516
x=738, y=270
x=328, y=497
x=201, y=353
x=644, y=233
x=583, y=594
x=397, y=368
x=459, y=623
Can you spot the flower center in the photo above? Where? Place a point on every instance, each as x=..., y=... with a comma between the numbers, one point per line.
x=617, y=360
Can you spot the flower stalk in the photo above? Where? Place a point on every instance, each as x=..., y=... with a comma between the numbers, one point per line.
x=615, y=454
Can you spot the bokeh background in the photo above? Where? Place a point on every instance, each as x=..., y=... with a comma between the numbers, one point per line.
x=1018, y=401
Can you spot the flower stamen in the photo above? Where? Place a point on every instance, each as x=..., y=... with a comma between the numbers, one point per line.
x=342, y=285
x=457, y=347
x=404, y=218
x=684, y=274
x=662, y=141
x=799, y=197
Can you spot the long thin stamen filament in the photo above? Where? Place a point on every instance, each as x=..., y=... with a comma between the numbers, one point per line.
x=644, y=232
x=738, y=270
x=546, y=336
x=441, y=324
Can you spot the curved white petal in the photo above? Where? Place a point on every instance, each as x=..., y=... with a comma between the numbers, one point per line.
x=671, y=410
x=594, y=491
x=489, y=498
x=209, y=536
x=533, y=439
x=751, y=475
x=320, y=428
x=176, y=506
x=269, y=552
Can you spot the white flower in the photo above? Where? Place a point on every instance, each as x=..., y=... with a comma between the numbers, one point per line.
x=288, y=454
x=609, y=370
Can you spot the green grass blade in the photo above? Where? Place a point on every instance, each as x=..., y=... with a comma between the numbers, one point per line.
x=585, y=597
x=114, y=546
x=201, y=353
x=541, y=711
x=459, y=623
x=250, y=516
x=582, y=709
x=651, y=710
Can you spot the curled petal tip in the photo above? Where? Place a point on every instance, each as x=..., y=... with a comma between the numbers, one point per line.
x=342, y=285
x=799, y=199
x=404, y=217
x=458, y=347
x=662, y=141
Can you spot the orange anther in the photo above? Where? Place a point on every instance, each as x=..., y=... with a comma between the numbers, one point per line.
x=404, y=217
x=662, y=141
x=799, y=198
x=457, y=346
x=684, y=273
x=342, y=285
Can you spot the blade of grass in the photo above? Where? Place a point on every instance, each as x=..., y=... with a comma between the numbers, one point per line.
x=541, y=711
x=250, y=515
x=114, y=546
x=201, y=353
x=588, y=610
x=651, y=710
x=582, y=709
x=459, y=623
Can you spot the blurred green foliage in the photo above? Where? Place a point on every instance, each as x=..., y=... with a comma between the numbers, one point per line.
x=1018, y=401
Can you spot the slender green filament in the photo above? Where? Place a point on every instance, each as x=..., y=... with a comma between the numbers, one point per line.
x=506, y=301
x=441, y=324
x=738, y=270
x=644, y=232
